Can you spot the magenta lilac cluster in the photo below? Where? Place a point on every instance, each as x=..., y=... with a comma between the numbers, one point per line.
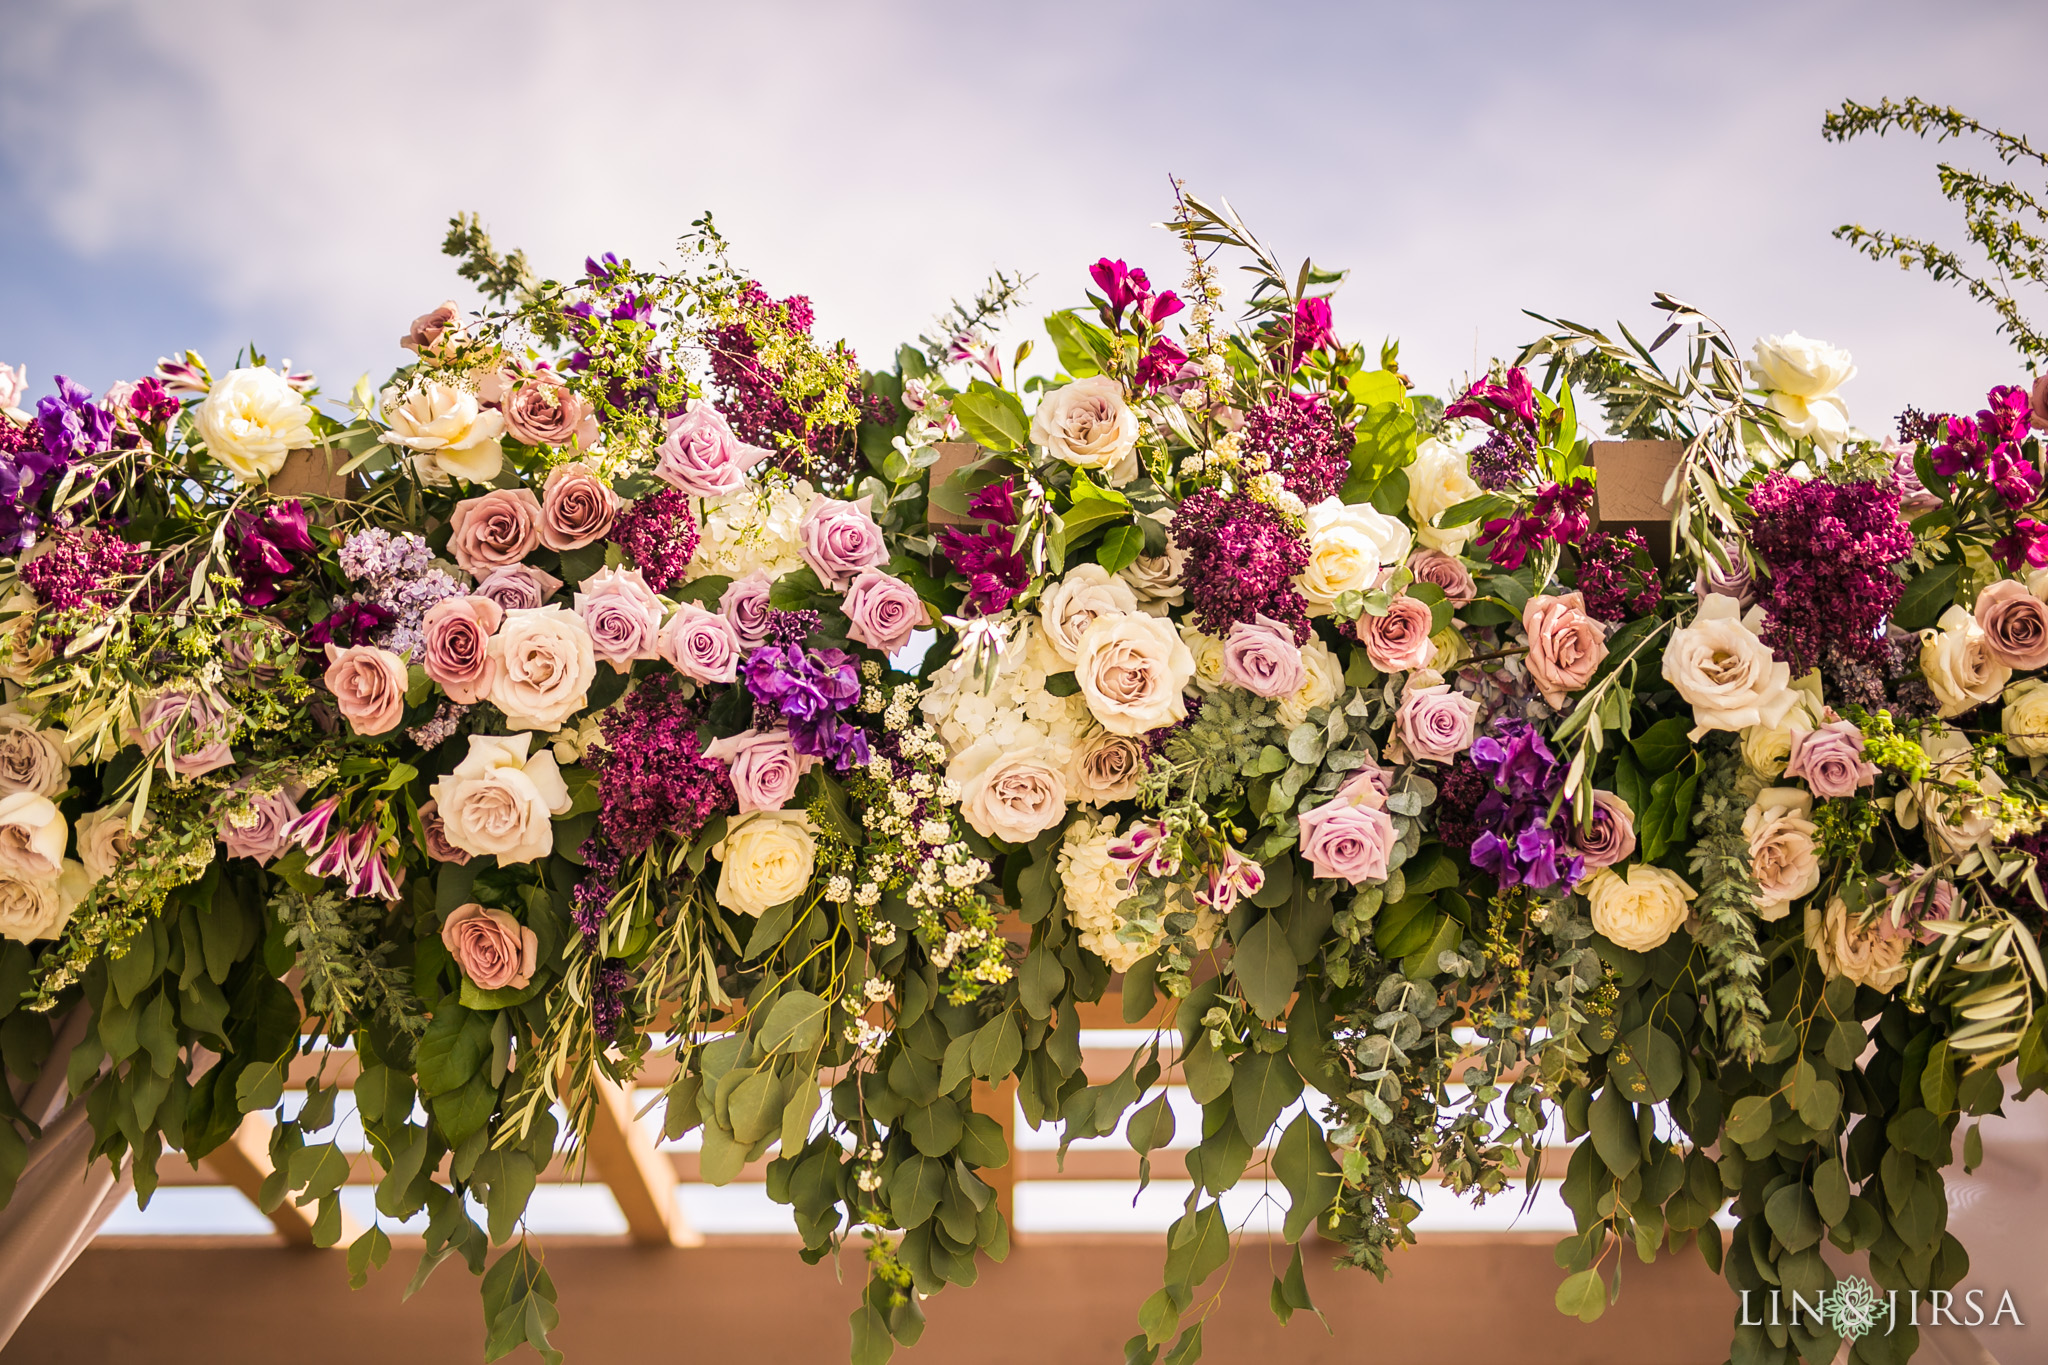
x=1303, y=440
x=811, y=690
x=1509, y=409
x=1557, y=516
x=267, y=548
x=1243, y=555
x=653, y=777
x=748, y=387
x=1829, y=549
x=1616, y=575
x=987, y=556
x=659, y=535
x=84, y=565
x=1518, y=841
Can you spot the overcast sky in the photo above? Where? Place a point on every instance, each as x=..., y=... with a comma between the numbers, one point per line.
x=209, y=172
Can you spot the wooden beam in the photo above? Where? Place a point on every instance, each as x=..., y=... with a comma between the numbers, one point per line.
x=640, y=1177
x=999, y=1102
x=243, y=1161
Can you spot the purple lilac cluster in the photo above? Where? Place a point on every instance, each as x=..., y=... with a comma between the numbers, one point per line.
x=792, y=627
x=68, y=427
x=1243, y=555
x=750, y=393
x=398, y=581
x=659, y=535
x=1557, y=516
x=1509, y=408
x=1829, y=549
x=1617, y=577
x=987, y=556
x=84, y=565
x=1518, y=842
x=266, y=548
x=1303, y=440
x=1459, y=793
x=810, y=689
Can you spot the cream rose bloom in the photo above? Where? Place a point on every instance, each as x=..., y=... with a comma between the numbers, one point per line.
x=103, y=839
x=1956, y=823
x=32, y=910
x=1208, y=655
x=1439, y=480
x=499, y=801
x=1638, y=913
x=250, y=420
x=1766, y=748
x=1801, y=376
x=21, y=657
x=765, y=860
x=545, y=667
x=449, y=435
x=1350, y=549
x=32, y=759
x=2025, y=721
x=1089, y=426
x=1858, y=951
x=1956, y=660
x=33, y=837
x=1322, y=685
x=1780, y=829
x=1008, y=792
x=1132, y=669
x=1156, y=578
x=1071, y=605
x=1725, y=672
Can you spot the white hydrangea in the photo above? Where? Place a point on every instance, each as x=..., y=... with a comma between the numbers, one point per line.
x=1016, y=710
x=1096, y=884
x=755, y=528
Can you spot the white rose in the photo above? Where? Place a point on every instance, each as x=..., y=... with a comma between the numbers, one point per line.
x=1956, y=822
x=251, y=420
x=1069, y=606
x=1208, y=655
x=1350, y=549
x=1132, y=669
x=31, y=910
x=1844, y=947
x=545, y=667
x=1801, y=376
x=754, y=528
x=498, y=801
x=1438, y=481
x=1725, y=672
x=104, y=842
x=1009, y=792
x=1641, y=912
x=2025, y=721
x=33, y=837
x=1090, y=426
x=448, y=434
x=1957, y=661
x=765, y=860
x=21, y=656
x=1782, y=858
x=1156, y=578
x=1323, y=684
x=32, y=759
x=1766, y=748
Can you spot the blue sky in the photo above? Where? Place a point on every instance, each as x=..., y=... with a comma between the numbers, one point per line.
x=212, y=172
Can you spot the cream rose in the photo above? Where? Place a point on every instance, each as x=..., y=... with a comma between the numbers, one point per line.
x=1071, y=605
x=1089, y=426
x=1861, y=952
x=1725, y=672
x=1439, y=480
x=1956, y=821
x=250, y=420
x=1350, y=549
x=499, y=801
x=1010, y=793
x=1801, y=376
x=764, y=860
x=1959, y=664
x=32, y=759
x=1156, y=578
x=1782, y=858
x=1640, y=911
x=1207, y=651
x=448, y=434
x=104, y=842
x=1323, y=685
x=1132, y=669
x=545, y=664
x=2025, y=721
x=33, y=837
x=32, y=910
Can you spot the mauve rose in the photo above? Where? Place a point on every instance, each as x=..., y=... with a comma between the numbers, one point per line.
x=701, y=645
x=745, y=604
x=1611, y=838
x=623, y=614
x=1107, y=768
x=882, y=612
x=764, y=767
x=263, y=837
x=490, y=532
x=436, y=832
x=189, y=728
x=1829, y=759
x=519, y=587
x=1447, y=572
x=427, y=328
x=1399, y=640
x=1348, y=841
x=839, y=539
x=2015, y=624
x=1565, y=645
x=1261, y=657
x=1435, y=722
x=493, y=949
x=1914, y=498
x=2038, y=403
x=541, y=411
x=455, y=639
x=701, y=455
x=368, y=686
x=1367, y=786
x=576, y=507
x=1734, y=581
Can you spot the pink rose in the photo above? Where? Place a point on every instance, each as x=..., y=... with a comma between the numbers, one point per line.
x=1829, y=759
x=1565, y=645
x=1611, y=838
x=839, y=539
x=1914, y=498
x=188, y=728
x=1367, y=786
x=519, y=587
x=623, y=614
x=576, y=507
x=701, y=645
x=497, y=529
x=1435, y=722
x=1447, y=572
x=1348, y=841
x=746, y=605
x=427, y=328
x=1261, y=657
x=263, y=838
x=1937, y=902
x=1399, y=641
x=455, y=637
x=493, y=949
x=882, y=612
x=2015, y=624
x=701, y=455
x=435, y=831
x=540, y=410
x=368, y=686
x=764, y=766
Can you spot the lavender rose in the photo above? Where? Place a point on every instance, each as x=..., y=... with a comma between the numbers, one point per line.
x=745, y=604
x=188, y=728
x=1399, y=640
x=1829, y=759
x=497, y=529
x=764, y=766
x=1565, y=645
x=576, y=507
x=493, y=949
x=456, y=638
x=882, y=612
x=2015, y=624
x=839, y=539
x=700, y=645
x=435, y=832
x=1261, y=657
x=427, y=328
x=623, y=614
x=368, y=686
x=1340, y=839
x=701, y=456
x=541, y=411
x=1436, y=723
x=1447, y=572
x=519, y=587
x=263, y=837
x=1610, y=837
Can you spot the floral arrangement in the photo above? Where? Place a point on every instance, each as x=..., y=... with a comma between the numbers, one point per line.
x=561, y=702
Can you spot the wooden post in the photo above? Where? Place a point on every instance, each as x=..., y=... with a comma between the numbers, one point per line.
x=953, y=455
x=640, y=1177
x=311, y=473
x=999, y=1102
x=1629, y=489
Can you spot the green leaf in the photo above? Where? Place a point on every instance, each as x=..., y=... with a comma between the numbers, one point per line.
x=1198, y=1245
x=796, y=1023
x=1750, y=1119
x=1151, y=1127
x=1793, y=1216
x=1121, y=546
x=1303, y=1165
x=1264, y=1083
x=1370, y=388
x=1661, y=748
x=935, y=1128
x=1083, y=347
x=1265, y=967
x=993, y=417
x=1582, y=1296
x=453, y=1050
x=1926, y=597
x=1831, y=1191
x=1919, y=1132
x=474, y=997
x=915, y=1187
x=1614, y=1132
x=1088, y=513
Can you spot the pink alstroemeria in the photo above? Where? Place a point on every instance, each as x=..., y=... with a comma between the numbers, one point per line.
x=980, y=350
x=374, y=879
x=1147, y=845
x=187, y=374
x=1238, y=877
x=346, y=856
x=309, y=831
